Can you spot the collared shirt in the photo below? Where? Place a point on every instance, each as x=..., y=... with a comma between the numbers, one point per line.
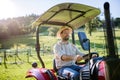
x=61, y=48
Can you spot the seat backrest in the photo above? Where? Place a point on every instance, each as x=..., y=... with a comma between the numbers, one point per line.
x=54, y=65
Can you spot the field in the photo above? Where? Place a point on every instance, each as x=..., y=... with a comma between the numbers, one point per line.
x=16, y=66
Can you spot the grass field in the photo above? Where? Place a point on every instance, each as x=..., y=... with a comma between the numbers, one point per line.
x=17, y=70
x=17, y=66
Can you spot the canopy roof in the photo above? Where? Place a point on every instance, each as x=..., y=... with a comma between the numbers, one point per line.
x=73, y=15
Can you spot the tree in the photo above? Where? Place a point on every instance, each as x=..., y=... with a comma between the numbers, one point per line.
x=3, y=31
x=93, y=25
x=13, y=27
x=88, y=27
x=117, y=22
x=53, y=31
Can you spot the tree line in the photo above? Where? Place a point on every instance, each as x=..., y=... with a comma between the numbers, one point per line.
x=23, y=25
x=16, y=26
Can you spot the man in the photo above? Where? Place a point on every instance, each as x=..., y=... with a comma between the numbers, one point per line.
x=66, y=54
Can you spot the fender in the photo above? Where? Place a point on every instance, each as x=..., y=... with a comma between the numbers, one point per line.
x=98, y=70
x=41, y=74
x=102, y=71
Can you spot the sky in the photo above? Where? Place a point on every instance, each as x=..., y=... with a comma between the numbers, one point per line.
x=18, y=8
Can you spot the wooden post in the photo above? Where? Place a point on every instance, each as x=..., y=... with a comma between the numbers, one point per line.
x=5, y=59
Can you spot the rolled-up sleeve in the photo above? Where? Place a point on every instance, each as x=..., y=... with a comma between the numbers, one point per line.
x=58, y=52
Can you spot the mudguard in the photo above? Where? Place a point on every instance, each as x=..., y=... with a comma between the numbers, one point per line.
x=102, y=71
x=41, y=74
x=98, y=70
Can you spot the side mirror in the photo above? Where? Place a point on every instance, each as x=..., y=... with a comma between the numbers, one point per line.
x=84, y=41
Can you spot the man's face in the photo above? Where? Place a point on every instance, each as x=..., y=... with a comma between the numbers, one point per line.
x=65, y=35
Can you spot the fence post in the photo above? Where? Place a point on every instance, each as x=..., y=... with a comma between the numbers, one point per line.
x=5, y=58
x=28, y=55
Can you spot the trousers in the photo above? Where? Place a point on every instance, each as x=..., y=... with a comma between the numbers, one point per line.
x=70, y=72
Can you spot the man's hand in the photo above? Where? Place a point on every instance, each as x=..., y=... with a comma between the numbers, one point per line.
x=78, y=58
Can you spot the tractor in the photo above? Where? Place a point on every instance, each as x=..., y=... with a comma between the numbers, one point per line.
x=74, y=15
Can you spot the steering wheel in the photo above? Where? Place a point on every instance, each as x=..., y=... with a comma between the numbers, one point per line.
x=91, y=55
x=86, y=56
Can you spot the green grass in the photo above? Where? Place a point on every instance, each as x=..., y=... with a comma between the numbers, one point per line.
x=18, y=71
x=14, y=71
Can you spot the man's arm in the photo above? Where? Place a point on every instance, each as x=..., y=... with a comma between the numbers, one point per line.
x=70, y=57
